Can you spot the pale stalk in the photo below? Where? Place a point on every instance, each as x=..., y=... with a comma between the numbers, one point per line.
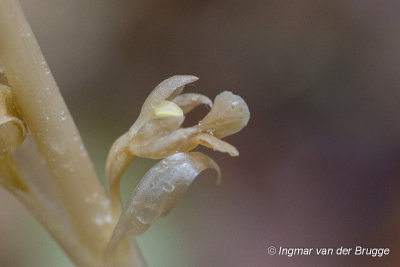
x=54, y=132
x=14, y=182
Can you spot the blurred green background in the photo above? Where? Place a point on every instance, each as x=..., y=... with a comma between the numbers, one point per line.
x=319, y=160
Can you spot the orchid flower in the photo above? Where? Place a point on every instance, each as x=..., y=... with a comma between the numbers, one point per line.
x=157, y=133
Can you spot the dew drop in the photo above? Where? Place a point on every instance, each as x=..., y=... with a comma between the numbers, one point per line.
x=234, y=104
x=142, y=219
x=83, y=151
x=210, y=132
x=168, y=187
x=63, y=115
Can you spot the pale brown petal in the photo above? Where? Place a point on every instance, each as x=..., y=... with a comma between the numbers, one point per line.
x=187, y=102
x=166, y=90
x=118, y=160
x=157, y=105
x=216, y=144
x=160, y=138
x=158, y=191
x=228, y=115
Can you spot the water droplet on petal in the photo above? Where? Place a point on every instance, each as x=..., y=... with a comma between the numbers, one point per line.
x=168, y=187
x=142, y=219
x=63, y=115
x=234, y=104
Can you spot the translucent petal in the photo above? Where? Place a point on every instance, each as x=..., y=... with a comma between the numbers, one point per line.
x=159, y=190
x=166, y=90
x=187, y=102
x=216, y=144
x=160, y=138
x=120, y=156
x=228, y=115
x=118, y=160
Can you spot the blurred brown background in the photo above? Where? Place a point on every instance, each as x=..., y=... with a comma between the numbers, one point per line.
x=319, y=162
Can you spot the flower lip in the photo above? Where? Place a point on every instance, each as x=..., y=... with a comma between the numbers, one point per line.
x=228, y=115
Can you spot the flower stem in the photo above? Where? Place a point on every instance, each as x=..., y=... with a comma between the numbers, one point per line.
x=78, y=189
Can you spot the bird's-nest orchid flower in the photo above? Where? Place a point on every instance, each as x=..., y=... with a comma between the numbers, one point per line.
x=157, y=134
